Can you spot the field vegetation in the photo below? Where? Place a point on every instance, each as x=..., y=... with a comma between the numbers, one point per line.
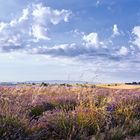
x=119, y=86
x=66, y=112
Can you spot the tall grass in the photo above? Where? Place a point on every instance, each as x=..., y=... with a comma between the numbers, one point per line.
x=68, y=113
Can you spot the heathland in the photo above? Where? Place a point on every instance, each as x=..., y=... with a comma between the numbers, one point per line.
x=69, y=112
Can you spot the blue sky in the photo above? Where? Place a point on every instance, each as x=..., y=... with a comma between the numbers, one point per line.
x=89, y=40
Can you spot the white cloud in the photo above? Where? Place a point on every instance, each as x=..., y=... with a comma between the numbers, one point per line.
x=17, y=21
x=61, y=46
x=44, y=15
x=30, y=33
x=115, y=30
x=39, y=32
x=2, y=26
x=136, y=32
x=32, y=25
x=123, y=51
x=91, y=40
x=24, y=16
x=15, y=39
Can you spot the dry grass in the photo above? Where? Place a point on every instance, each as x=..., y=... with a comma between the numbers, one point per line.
x=70, y=113
x=119, y=86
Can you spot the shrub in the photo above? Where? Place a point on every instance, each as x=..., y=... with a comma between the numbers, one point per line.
x=12, y=129
x=38, y=110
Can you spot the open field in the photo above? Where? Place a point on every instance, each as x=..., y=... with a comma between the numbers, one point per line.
x=69, y=113
x=118, y=86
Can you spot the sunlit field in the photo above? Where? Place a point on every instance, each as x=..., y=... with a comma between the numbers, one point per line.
x=65, y=112
x=119, y=86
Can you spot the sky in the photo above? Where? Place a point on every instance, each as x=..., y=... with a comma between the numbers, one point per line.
x=81, y=40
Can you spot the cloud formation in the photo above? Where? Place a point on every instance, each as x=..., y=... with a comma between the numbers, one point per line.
x=123, y=51
x=136, y=33
x=32, y=26
x=115, y=30
x=43, y=16
x=30, y=33
x=91, y=40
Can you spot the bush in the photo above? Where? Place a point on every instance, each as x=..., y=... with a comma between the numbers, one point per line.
x=12, y=129
x=44, y=84
x=36, y=111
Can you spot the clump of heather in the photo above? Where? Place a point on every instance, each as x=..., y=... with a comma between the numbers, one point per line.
x=12, y=129
x=55, y=112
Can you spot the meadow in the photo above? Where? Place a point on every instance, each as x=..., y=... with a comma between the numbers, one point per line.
x=69, y=112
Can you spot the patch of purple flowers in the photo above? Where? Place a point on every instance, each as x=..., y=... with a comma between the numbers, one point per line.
x=110, y=108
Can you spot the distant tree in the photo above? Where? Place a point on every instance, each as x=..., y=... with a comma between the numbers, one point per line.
x=134, y=83
x=69, y=85
x=127, y=83
x=64, y=84
x=44, y=84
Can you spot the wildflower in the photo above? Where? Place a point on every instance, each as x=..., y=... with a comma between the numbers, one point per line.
x=110, y=108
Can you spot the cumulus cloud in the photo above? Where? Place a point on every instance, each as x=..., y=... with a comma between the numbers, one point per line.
x=90, y=47
x=123, y=51
x=30, y=33
x=115, y=30
x=32, y=26
x=92, y=40
x=39, y=32
x=76, y=51
x=2, y=26
x=24, y=16
x=136, y=33
x=43, y=16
